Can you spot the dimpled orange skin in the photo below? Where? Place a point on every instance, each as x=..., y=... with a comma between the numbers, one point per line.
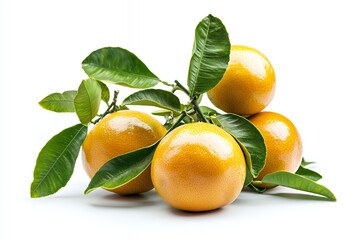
x=248, y=84
x=198, y=167
x=119, y=133
x=283, y=143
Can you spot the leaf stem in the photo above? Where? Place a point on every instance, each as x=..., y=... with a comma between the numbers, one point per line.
x=180, y=118
x=197, y=109
x=167, y=84
x=181, y=87
x=111, y=108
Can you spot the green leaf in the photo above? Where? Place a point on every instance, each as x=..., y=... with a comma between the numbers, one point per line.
x=298, y=182
x=154, y=97
x=59, y=102
x=87, y=100
x=210, y=55
x=56, y=161
x=305, y=172
x=118, y=65
x=208, y=111
x=250, y=139
x=249, y=177
x=122, y=169
x=105, y=92
x=162, y=113
x=304, y=163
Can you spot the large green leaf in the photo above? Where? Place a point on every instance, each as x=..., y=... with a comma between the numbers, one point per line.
x=56, y=161
x=118, y=65
x=210, y=55
x=249, y=138
x=59, y=102
x=122, y=169
x=154, y=97
x=298, y=182
x=305, y=172
x=87, y=100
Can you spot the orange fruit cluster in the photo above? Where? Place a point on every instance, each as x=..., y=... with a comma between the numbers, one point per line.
x=199, y=166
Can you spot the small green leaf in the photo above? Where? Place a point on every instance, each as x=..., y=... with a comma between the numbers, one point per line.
x=118, y=65
x=56, y=161
x=87, y=100
x=105, y=93
x=122, y=169
x=162, y=112
x=250, y=139
x=210, y=55
x=305, y=172
x=298, y=182
x=59, y=102
x=154, y=97
x=208, y=111
x=304, y=163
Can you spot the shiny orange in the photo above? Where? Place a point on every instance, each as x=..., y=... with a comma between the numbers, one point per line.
x=198, y=167
x=283, y=143
x=248, y=84
x=119, y=133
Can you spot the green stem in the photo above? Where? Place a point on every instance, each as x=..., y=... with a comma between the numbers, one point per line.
x=181, y=87
x=181, y=117
x=111, y=108
x=198, y=110
x=166, y=83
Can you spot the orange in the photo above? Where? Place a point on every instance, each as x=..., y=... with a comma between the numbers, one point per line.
x=283, y=143
x=248, y=84
x=119, y=133
x=198, y=167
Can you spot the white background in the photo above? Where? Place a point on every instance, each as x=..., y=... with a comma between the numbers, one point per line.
x=314, y=49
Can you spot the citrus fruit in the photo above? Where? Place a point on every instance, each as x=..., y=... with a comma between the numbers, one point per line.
x=198, y=167
x=248, y=84
x=119, y=133
x=283, y=143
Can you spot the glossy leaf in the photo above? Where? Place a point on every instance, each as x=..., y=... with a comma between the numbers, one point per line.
x=298, y=182
x=59, y=102
x=210, y=55
x=87, y=100
x=118, y=65
x=305, y=172
x=250, y=139
x=154, y=97
x=105, y=92
x=56, y=161
x=122, y=169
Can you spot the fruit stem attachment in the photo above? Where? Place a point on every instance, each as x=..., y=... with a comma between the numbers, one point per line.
x=111, y=108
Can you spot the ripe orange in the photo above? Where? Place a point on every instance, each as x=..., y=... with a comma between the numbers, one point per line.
x=283, y=143
x=119, y=133
x=198, y=167
x=248, y=84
